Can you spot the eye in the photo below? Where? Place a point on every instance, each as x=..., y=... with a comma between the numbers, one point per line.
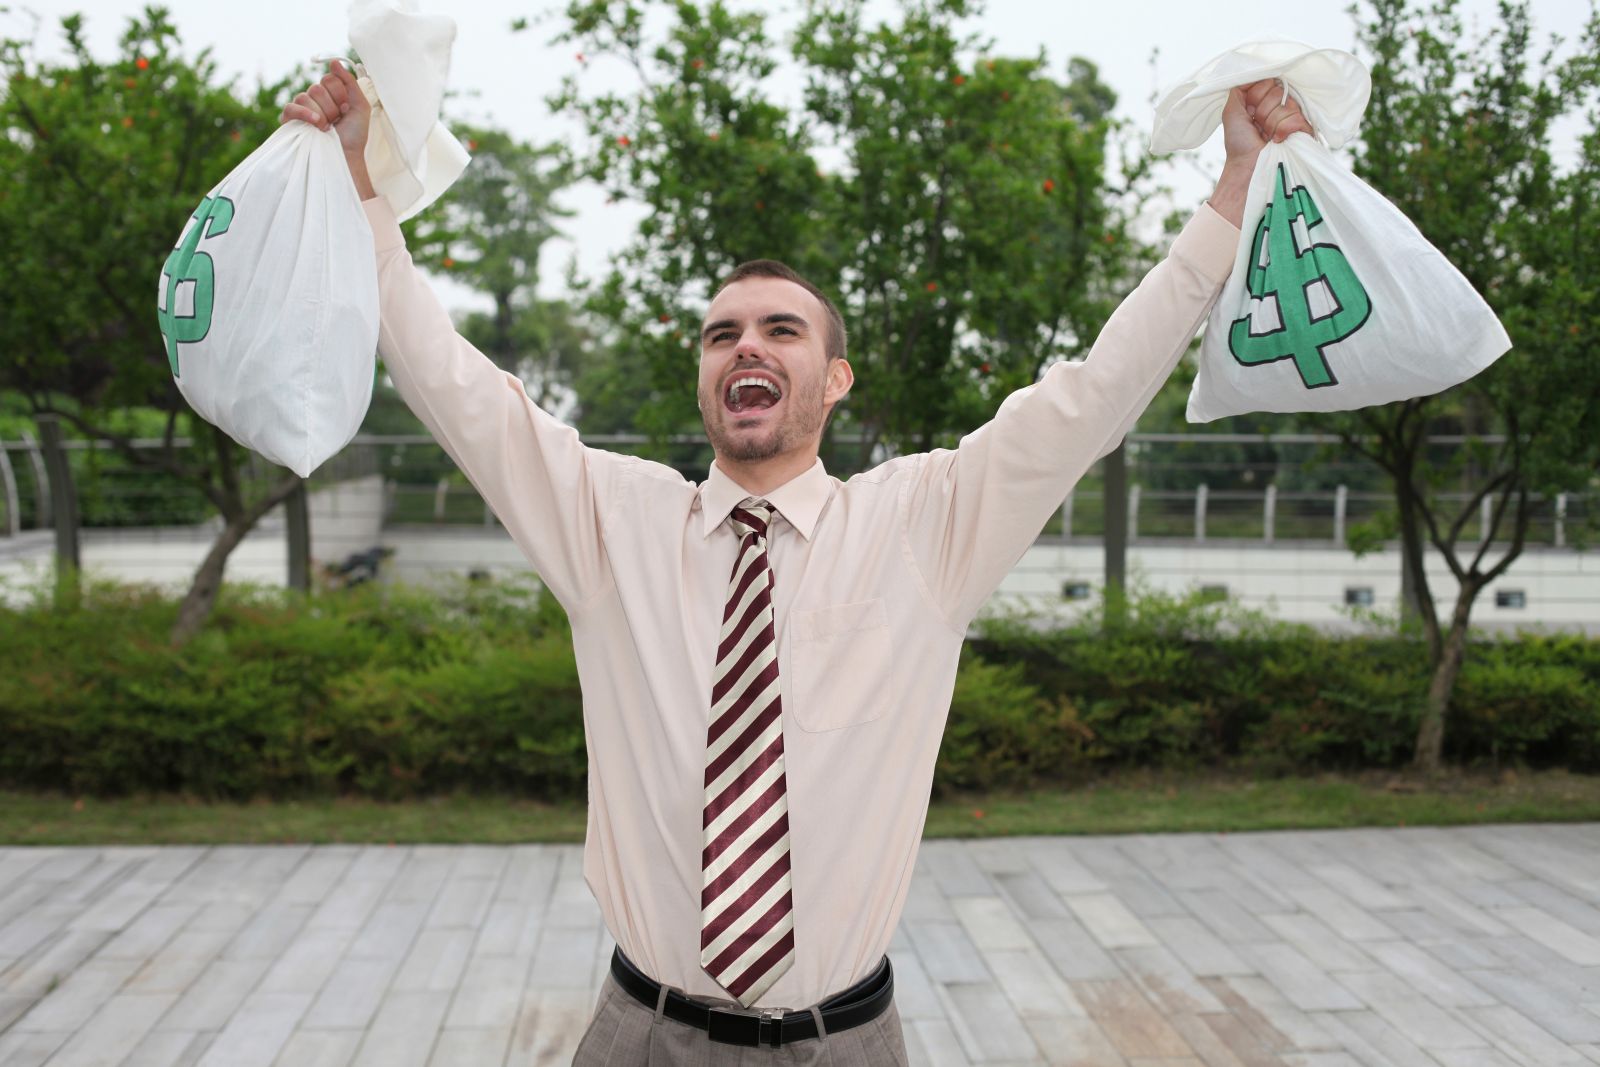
x=721, y=336
x=783, y=329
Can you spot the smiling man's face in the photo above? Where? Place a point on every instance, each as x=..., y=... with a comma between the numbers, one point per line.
x=765, y=379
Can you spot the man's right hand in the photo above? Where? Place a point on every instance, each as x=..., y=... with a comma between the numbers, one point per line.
x=337, y=103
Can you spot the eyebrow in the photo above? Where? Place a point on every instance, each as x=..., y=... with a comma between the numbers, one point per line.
x=765, y=320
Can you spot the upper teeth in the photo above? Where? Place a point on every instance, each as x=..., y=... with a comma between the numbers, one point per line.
x=739, y=383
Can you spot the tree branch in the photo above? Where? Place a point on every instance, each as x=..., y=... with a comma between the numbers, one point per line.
x=124, y=444
x=279, y=493
x=1472, y=505
x=1494, y=523
x=230, y=473
x=1519, y=538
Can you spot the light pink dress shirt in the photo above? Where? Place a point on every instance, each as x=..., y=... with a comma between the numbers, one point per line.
x=876, y=580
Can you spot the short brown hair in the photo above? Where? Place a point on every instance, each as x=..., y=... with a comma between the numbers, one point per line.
x=834, y=344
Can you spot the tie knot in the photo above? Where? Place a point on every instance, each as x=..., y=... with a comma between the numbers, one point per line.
x=751, y=515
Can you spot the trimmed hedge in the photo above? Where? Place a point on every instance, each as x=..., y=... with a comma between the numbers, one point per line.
x=393, y=692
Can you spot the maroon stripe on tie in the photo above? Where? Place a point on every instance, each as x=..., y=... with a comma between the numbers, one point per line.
x=736, y=788
x=758, y=889
x=780, y=826
x=758, y=686
x=781, y=948
x=738, y=591
x=756, y=606
x=758, y=929
x=747, y=818
x=742, y=743
x=733, y=674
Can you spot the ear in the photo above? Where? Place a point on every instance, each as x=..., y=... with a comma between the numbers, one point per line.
x=840, y=379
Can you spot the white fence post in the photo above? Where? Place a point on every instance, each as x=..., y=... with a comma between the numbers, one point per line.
x=439, y=493
x=1269, y=516
x=1133, y=511
x=1201, y=493
x=1485, y=517
x=41, y=482
x=13, y=509
x=1066, y=515
x=1561, y=520
x=1341, y=499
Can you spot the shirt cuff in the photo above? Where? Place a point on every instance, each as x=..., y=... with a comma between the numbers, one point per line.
x=1208, y=243
x=386, y=235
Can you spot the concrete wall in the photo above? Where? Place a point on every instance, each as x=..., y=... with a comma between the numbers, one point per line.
x=345, y=518
x=1300, y=583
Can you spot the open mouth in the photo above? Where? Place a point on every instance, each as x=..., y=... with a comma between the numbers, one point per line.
x=751, y=394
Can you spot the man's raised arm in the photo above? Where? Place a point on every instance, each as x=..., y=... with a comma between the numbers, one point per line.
x=973, y=511
x=546, y=487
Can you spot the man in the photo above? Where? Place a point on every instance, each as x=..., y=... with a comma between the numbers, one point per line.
x=767, y=658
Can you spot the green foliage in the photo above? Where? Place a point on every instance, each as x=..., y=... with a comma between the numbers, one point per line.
x=1181, y=682
x=1002, y=733
x=488, y=233
x=1458, y=135
x=968, y=230
x=386, y=692
x=101, y=164
x=394, y=692
x=1534, y=700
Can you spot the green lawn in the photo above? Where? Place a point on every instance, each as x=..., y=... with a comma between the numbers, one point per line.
x=1127, y=803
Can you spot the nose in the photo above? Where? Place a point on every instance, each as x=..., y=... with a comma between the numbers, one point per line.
x=749, y=346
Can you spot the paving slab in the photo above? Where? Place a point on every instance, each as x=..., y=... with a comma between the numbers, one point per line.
x=1465, y=947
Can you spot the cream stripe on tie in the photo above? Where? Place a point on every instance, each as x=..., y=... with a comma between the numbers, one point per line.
x=746, y=908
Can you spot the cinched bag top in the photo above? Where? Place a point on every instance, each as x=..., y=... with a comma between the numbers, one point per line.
x=1331, y=85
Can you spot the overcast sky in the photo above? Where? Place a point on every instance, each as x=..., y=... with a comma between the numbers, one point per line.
x=506, y=77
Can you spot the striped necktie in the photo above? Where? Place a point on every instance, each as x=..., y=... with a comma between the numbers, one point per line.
x=746, y=909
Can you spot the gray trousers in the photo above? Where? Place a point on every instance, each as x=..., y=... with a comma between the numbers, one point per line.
x=625, y=1033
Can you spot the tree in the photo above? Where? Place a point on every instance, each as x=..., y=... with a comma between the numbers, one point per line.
x=1458, y=135
x=100, y=166
x=956, y=204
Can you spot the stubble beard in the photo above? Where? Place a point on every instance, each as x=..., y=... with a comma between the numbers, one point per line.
x=803, y=418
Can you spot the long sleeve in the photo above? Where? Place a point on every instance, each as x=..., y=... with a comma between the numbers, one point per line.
x=971, y=512
x=548, y=489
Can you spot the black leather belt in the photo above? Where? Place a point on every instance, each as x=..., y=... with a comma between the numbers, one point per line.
x=862, y=1002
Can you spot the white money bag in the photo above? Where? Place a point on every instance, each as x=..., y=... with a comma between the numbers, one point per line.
x=269, y=303
x=1336, y=300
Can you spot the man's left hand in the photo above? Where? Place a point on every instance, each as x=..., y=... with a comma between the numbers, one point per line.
x=1255, y=114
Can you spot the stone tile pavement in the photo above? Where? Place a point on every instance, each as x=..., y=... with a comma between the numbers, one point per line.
x=1476, y=947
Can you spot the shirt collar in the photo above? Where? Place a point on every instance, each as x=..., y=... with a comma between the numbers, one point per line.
x=799, y=500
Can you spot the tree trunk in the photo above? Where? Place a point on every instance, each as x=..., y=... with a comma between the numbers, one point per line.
x=202, y=594
x=1429, y=756
x=1416, y=598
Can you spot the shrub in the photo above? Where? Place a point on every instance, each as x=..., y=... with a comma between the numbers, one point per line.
x=391, y=692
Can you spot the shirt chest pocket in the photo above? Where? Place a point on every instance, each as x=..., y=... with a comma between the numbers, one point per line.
x=840, y=665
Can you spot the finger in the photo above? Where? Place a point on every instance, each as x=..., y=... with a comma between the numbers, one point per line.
x=324, y=101
x=352, y=87
x=1295, y=123
x=293, y=111
x=335, y=89
x=1256, y=92
x=1268, y=117
x=318, y=118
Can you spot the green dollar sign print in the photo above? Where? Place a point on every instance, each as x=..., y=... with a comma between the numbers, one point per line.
x=1318, y=297
x=188, y=279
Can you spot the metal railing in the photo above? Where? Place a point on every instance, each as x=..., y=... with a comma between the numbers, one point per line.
x=1176, y=491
